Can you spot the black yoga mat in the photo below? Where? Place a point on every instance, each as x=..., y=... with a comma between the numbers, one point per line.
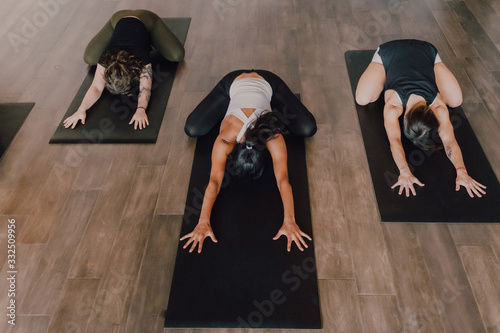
x=246, y=280
x=12, y=117
x=108, y=119
x=437, y=201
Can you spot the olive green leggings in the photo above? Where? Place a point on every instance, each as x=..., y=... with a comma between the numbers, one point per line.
x=162, y=38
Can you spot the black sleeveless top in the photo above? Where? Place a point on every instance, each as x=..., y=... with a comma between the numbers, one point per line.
x=131, y=35
x=409, y=68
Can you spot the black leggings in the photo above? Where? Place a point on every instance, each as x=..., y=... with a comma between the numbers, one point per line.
x=212, y=108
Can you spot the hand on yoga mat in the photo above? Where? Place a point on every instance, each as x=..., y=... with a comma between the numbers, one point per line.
x=472, y=186
x=72, y=121
x=140, y=119
x=405, y=182
x=198, y=235
x=293, y=234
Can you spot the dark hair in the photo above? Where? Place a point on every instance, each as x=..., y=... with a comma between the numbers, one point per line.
x=122, y=71
x=249, y=157
x=421, y=127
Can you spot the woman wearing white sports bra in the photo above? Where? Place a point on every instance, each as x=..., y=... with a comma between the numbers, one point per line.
x=244, y=101
x=417, y=84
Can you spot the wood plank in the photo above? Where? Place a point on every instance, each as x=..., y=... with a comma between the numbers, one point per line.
x=471, y=98
x=340, y=306
x=93, y=171
x=63, y=61
x=201, y=62
x=438, y=5
x=486, y=13
x=380, y=313
x=480, y=40
x=287, y=68
x=47, y=207
x=372, y=268
x=157, y=154
x=288, y=17
x=455, y=301
x=32, y=181
x=29, y=141
x=487, y=133
x=155, y=277
x=417, y=22
x=469, y=234
x=494, y=233
x=115, y=293
x=455, y=34
x=486, y=86
x=56, y=260
x=175, y=180
x=331, y=232
x=483, y=270
x=75, y=306
x=338, y=96
x=311, y=89
x=95, y=248
x=27, y=255
x=32, y=324
x=352, y=35
x=4, y=196
x=411, y=279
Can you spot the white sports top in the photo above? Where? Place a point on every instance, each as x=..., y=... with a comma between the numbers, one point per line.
x=249, y=92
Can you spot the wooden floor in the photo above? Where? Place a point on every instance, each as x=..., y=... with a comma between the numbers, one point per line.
x=98, y=225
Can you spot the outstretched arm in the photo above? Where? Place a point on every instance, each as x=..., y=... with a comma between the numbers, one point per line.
x=140, y=118
x=454, y=153
x=92, y=95
x=203, y=229
x=406, y=179
x=290, y=229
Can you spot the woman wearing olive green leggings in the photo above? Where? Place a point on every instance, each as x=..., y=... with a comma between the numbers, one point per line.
x=121, y=51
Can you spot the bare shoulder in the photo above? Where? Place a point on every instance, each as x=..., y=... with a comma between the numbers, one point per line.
x=393, y=106
x=222, y=148
x=391, y=97
x=277, y=147
x=229, y=129
x=440, y=110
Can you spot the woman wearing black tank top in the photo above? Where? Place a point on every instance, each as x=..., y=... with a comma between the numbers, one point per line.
x=417, y=85
x=121, y=52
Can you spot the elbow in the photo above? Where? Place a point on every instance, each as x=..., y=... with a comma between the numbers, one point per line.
x=97, y=90
x=213, y=187
x=283, y=183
